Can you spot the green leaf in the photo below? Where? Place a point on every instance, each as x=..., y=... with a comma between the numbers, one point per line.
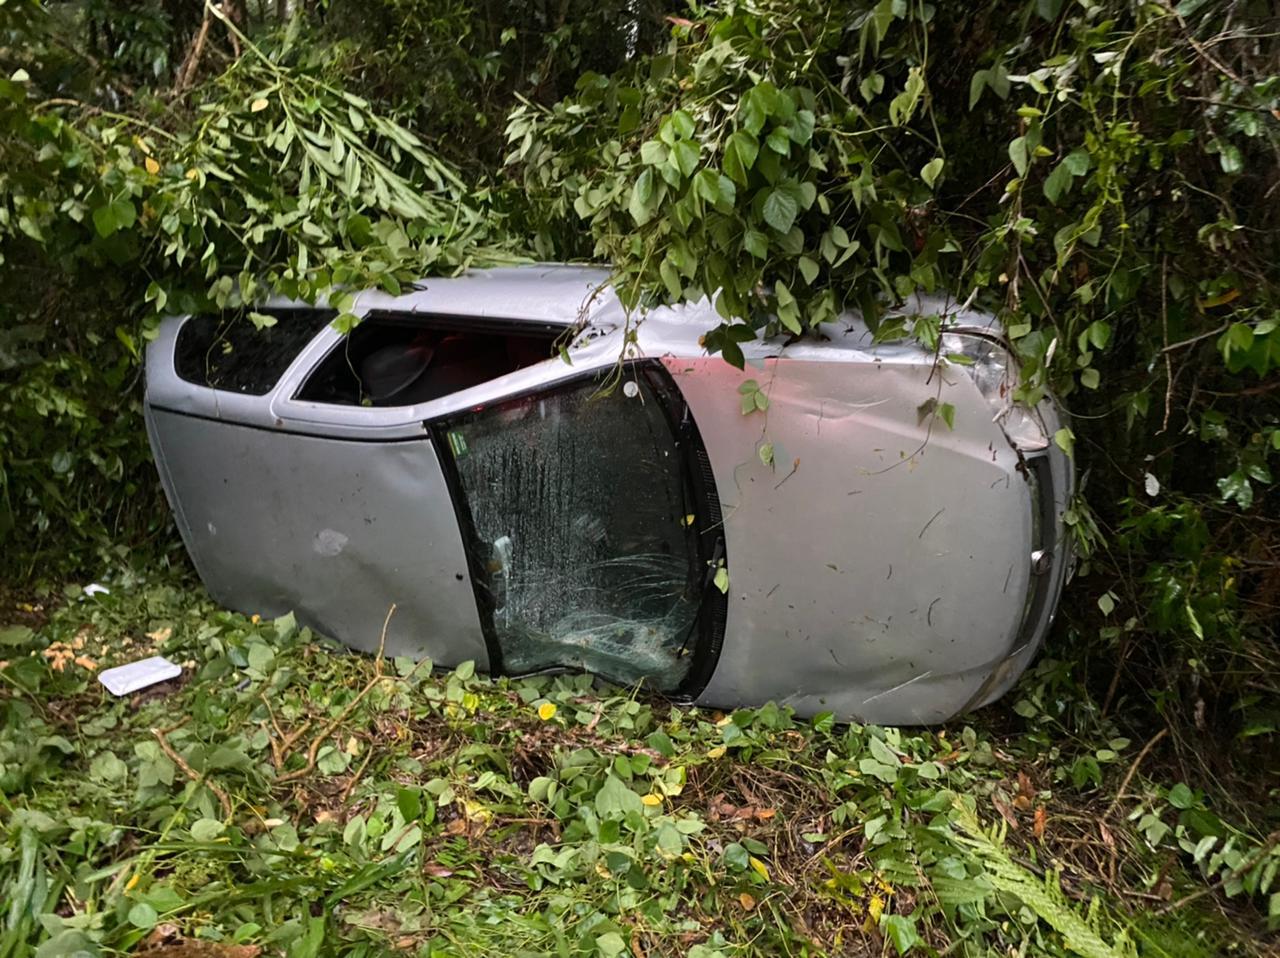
x=947, y=413
x=740, y=152
x=1077, y=162
x=615, y=799
x=67, y=943
x=1236, y=486
x=808, y=268
x=1237, y=339
x=107, y=767
x=872, y=84
x=1181, y=797
x=642, y=195
x=14, y=635
x=610, y=945
x=709, y=185
x=685, y=156
x=929, y=172
x=903, y=106
x=977, y=83
x=755, y=243
x=105, y=219
x=1018, y=154
x=143, y=915
x=722, y=579
x=683, y=124
x=801, y=128
x=1057, y=182
x=1230, y=157
x=753, y=108
x=780, y=209
x=878, y=770
x=882, y=753
x=207, y=829
x=653, y=153
x=901, y=930
x=1066, y=440
x=1099, y=333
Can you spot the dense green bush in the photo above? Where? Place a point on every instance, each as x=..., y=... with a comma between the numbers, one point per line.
x=1103, y=175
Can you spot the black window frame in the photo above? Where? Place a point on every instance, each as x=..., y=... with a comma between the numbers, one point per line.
x=547, y=330
x=696, y=473
x=314, y=320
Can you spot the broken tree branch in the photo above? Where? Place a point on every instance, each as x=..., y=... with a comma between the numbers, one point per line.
x=335, y=723
x=200, y=778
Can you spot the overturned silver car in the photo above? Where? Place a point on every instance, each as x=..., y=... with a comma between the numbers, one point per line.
x=834, y=547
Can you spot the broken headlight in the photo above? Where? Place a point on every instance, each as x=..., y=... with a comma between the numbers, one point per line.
x=994, y=371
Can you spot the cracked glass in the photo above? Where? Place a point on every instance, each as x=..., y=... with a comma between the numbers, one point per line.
x=584, y=526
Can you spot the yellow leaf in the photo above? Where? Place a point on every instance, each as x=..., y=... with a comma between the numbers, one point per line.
x=258, y=105
x=547, y=711
x=761, y=868
x=747, y=902
x=688, y=520
x=651, y=800
x=1220, y=300
x=152, y=166
x=875, y=909
x=672, y=783
x=721, y=723
x=192, y=174
x=132, y=883
x=476, y=812
x=715, y=752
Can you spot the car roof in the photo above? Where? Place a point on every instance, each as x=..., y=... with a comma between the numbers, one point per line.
x=539, y=292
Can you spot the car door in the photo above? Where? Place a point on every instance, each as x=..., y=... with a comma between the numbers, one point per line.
x=593, y=528
x=332, y=519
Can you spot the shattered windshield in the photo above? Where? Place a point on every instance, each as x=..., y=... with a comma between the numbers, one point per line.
x=584, y=526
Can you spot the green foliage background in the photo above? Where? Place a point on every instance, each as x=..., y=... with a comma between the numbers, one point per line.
x=1103, y=175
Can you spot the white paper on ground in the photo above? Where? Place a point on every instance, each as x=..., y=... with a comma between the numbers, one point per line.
x=124, y=679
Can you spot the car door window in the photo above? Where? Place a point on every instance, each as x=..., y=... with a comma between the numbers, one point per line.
x=585, y=531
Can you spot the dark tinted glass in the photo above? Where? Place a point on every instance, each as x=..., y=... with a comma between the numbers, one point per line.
x=405, y=359
x=226, y=351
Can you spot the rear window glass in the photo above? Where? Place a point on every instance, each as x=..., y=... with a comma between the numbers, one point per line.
x=227, y=351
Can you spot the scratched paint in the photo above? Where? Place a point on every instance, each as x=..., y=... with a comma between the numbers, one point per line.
x=329, y=543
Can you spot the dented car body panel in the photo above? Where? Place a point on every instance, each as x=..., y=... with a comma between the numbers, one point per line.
x=840, y=550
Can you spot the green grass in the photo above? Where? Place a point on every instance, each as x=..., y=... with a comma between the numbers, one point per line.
x=288, y=796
